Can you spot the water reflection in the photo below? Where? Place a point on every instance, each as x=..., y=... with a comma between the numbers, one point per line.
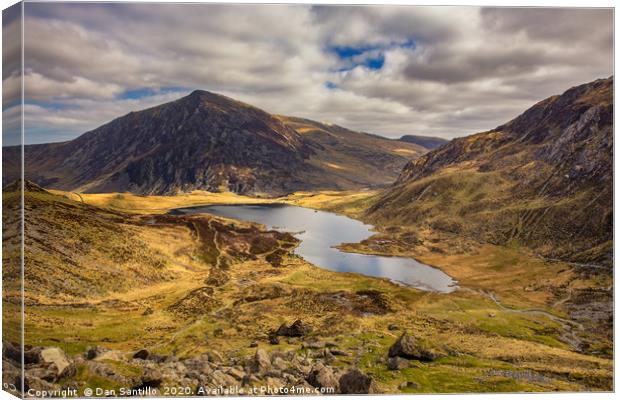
x=320, y=231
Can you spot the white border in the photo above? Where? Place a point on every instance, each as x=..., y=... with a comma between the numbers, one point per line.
x=505, y=3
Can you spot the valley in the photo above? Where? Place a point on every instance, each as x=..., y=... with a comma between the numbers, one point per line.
x=127, y=293
x=213, y=285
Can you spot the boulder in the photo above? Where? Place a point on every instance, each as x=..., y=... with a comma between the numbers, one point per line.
x=396, y=363
x=408, y=347
x=57, y=362
x=355, y=381
x=94, y=352
x=261, y=362
x=296, y=329
x=322, y=376
x=151, y=378
x=142, y=354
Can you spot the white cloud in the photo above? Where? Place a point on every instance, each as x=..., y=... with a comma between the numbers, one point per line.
x=448, y=71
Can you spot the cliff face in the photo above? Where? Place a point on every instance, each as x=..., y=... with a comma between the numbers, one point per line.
x=544, y=179
x=211, y=142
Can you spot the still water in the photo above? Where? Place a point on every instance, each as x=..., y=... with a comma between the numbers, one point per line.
x=320, y=231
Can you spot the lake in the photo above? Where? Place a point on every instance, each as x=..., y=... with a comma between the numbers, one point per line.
x=320, y=231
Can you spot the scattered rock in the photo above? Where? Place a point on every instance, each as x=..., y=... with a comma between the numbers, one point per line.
x=215, y=356
x=274, y=340
x=56, y=360
x=408, y=385
x=142, y=354
x=148, y=311
x=262, y=363
x=322, y=376
x=338, y=352
x=296, y=329
x=94, y=352
x=355, y=381
x=237, y=373
x=397, y=363
x=279, y=363
x=408, y=347
x=151, y=378
x=393, y=327
x=254, y=344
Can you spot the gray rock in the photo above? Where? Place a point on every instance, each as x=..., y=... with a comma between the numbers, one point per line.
x=322, y=376
x=355, y=381
x=296, y=329
x=151, y=378
x=408, y=347
x=261, y=363
x=396, y=363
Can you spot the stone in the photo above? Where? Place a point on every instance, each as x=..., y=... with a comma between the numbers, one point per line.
x=11, y=377
x=296, y=329
x=279, y=363
x=274, y=340
x=253, y=344
x=322, y=376
x=408, y=385
x=142, y=354
x=261, y=362
x=151, y=378
x=148, y=311
x=397, y=363
x=56, y=359
x=355, y=381
x=215, y=356
x=408, y=347
x=313, y=345
x=236, y=373
x=338, y=352
x=393, y=327
x=94, y=352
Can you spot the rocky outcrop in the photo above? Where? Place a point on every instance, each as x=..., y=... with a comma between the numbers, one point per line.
x=206, y=372
x=410, y=348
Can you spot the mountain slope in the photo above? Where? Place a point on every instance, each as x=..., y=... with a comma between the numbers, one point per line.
x=543, y=180
x=429, y=142
x=203, y=141
x=350, y=156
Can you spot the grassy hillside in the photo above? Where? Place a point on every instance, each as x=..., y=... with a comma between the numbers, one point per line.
x=543, y=180
x=186, y=285
x=348, y=156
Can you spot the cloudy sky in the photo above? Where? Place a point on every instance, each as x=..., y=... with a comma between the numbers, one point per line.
x=441, y=71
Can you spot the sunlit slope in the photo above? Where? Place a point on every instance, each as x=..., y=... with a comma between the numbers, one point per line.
x=543, y=180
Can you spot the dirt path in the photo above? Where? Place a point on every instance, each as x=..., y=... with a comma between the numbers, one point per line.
x=570, y=327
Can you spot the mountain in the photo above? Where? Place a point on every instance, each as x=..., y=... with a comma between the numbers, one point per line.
x=353, y=157
x=428, y=142
x=543, y=180
x=210, y=142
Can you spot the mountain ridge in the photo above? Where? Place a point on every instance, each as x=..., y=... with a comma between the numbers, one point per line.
x=543, y=180
x=205, y=141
